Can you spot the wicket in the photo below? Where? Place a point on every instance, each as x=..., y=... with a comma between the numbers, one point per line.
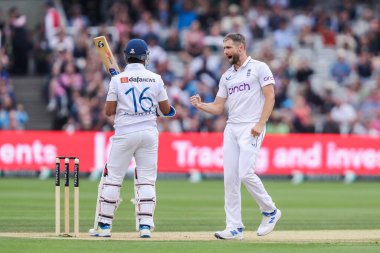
x=67, y=195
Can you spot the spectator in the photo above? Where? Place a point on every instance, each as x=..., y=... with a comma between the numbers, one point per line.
x=364, y=66
x=164, y=16
x=303, y=71
x=207, y=14
x=185, y=14
x=206, y=66
x=315, y=100
x=19, y=42
x=62, y=41
x=276, y=124
x=283, y=37
x=276, y=17
x=172, y=42
x=2, y=26
x=257, y=16
x=281, y=94
x=40, y=51
x=344, y=114
x=81, y=49
x=21, y=117
x=306, y=38
x=364, y=127
x=330, y=126
x=232, y=20
x=194, y=39
x=346, y=39
x=303, y=120
x=77, y=20
x=157, y=54
x=121, y=20
x=52, y=21
x=162, y=68
x=147, y=24
x=186, y=48
x=214, y=40
x=361, y=26
x=374, y=37
x=340, y=70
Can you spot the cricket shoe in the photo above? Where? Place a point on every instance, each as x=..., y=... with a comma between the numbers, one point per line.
x=230, y=234
x=101, y=231
x=145, y=231
x=268, y=222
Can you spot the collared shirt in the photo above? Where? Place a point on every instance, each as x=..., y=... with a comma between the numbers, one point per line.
x=243, y=90
x=137, y=92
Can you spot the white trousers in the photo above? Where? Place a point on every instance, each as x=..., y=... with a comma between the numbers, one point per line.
x=143, y=145
x=240, y=152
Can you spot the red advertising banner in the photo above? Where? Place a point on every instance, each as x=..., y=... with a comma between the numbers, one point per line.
x=179, y=153
x=279, y=154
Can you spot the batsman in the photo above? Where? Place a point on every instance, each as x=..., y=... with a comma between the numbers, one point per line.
x=135, y=97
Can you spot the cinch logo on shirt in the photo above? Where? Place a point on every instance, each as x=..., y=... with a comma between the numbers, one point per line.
x=237, y=88
x=267, y=78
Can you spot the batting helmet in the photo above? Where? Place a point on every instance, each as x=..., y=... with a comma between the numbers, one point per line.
x=137, y=48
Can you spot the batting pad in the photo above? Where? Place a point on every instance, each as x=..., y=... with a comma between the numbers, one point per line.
x=146, y=203
x=108, y=202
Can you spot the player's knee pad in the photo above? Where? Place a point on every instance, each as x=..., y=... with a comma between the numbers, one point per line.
x=108, y=202
x=145, y=199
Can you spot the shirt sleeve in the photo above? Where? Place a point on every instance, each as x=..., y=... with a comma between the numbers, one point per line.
x=112, y=91
x=162, y=95
x=222, y=92
x=265, y=75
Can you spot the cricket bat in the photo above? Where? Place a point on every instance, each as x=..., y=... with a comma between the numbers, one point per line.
x=106, y=55
x=111, y=66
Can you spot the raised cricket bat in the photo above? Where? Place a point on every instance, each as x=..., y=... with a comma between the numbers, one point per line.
x=106, y=54
x=111, y=66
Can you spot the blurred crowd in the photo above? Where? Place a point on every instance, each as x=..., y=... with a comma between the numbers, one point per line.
x=325, y=61
x=12, y=114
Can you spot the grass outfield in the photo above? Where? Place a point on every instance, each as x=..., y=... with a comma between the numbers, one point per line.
x=27, y=206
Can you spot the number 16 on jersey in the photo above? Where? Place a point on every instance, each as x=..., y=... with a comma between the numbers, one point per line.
x=105, y=52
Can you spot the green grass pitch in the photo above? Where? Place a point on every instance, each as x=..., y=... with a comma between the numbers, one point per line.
x=27, y=205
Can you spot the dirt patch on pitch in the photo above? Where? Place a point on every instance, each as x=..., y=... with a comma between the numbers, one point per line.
x=319, y=236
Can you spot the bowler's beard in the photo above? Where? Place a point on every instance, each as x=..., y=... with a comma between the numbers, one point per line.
x=235, y=59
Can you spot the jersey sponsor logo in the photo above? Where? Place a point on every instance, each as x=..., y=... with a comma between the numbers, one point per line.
x=267, y=78
x=124, y=80
x=141, y=79
x=249, y=72
x=229, y=78
x=238, y=88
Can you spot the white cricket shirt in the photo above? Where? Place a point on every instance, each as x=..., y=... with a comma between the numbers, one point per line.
x=242, y=89
x=137, y=92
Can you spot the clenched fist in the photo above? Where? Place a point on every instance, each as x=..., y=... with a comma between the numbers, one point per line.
x=196, y=101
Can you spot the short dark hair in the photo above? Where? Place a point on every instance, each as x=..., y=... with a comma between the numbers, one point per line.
x=134, y=60
x=235, y=37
